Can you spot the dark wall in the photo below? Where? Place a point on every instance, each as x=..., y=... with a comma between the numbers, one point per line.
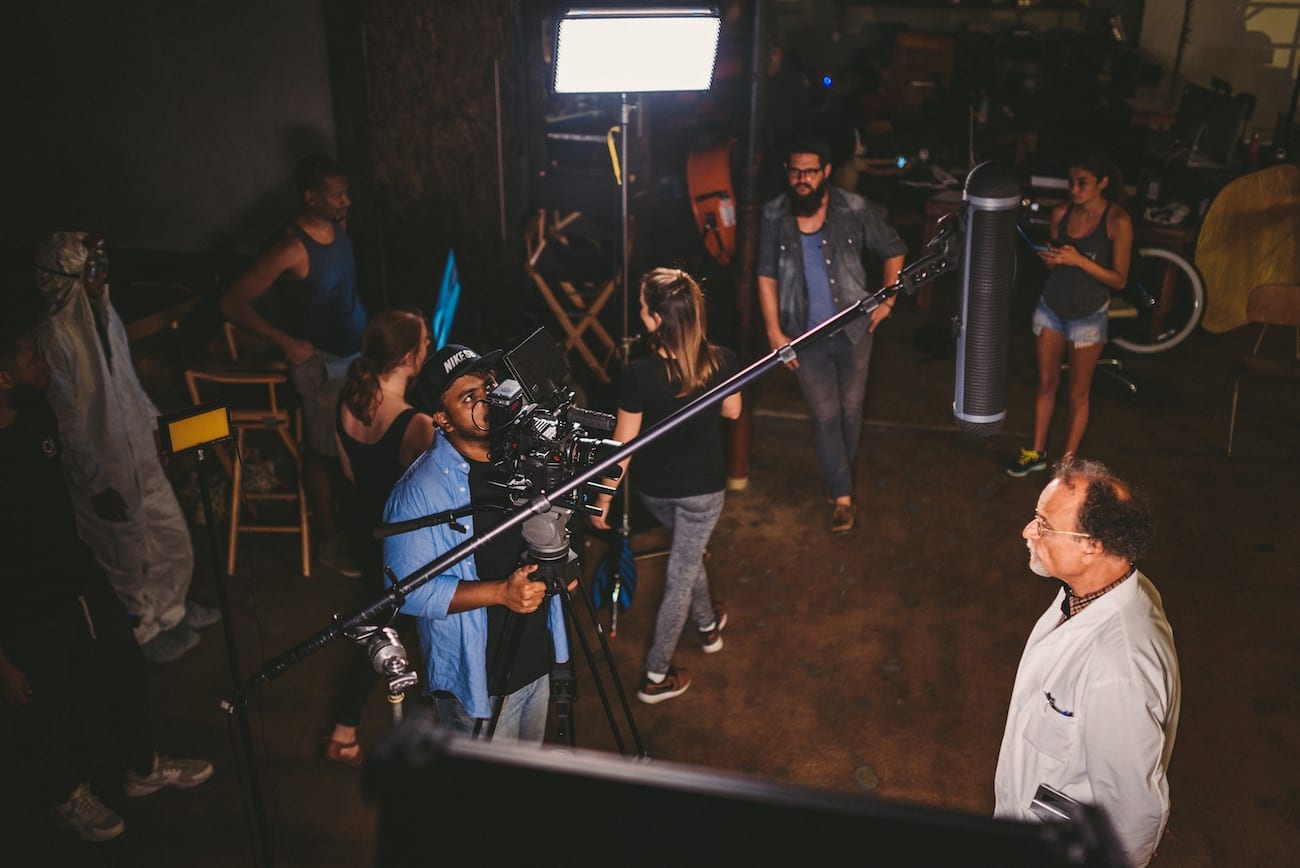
x=169, y=126
x=433, y=70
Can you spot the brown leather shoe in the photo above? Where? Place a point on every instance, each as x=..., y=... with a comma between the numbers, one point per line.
x=843, y=518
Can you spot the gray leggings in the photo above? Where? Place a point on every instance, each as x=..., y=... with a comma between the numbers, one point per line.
x=686, y=586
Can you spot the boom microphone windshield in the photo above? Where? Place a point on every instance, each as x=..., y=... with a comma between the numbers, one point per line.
x=988, y=275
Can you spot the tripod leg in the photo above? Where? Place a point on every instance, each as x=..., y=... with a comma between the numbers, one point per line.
x=564, y=690
x=567, y=600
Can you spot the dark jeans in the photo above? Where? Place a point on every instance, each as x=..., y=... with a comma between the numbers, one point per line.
x=88, y=676
x=832, y=375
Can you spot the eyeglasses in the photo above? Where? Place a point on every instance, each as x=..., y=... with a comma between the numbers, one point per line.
x=1040, y=526
x=798, y=174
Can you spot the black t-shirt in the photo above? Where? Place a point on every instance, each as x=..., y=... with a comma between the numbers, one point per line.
x=47, y=566
x=687, y=460
x=496, y=560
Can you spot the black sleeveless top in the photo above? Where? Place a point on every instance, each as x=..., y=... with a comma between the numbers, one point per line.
x=376, y=467
x=1070, y=291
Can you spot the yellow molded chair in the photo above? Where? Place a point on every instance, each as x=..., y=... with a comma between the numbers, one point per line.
x=1250, y=237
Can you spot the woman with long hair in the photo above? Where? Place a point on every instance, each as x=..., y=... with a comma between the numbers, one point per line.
x=1088, y=259
x=379, y=434
x=680, y=477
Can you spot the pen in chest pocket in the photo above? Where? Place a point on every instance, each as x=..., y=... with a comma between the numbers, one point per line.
x=1052, y=702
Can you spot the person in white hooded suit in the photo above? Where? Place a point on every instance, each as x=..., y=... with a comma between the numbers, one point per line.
x=126, y=509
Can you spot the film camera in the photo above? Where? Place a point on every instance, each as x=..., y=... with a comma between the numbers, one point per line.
x=539, y=436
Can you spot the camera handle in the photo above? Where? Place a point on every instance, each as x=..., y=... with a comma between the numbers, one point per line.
x=939, y=261
x=448, y=517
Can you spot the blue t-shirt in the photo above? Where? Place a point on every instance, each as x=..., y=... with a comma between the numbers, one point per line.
x=821, y=306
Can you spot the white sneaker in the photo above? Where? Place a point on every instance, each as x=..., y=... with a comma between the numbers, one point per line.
x=88, y=817
x=171, y=645
x=167, y=772
x=198, y=616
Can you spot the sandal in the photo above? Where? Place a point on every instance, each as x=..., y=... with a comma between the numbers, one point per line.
x=347, y=753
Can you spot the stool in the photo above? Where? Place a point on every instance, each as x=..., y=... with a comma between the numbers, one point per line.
x=573, y=286
x=257, y=401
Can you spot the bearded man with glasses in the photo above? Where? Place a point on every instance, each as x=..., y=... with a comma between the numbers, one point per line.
x=1094, y=709
x=813, y=241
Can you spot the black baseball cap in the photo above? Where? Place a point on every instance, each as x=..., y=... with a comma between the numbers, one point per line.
x=442, y=369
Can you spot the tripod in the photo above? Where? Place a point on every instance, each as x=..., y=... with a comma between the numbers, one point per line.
x=548, y=539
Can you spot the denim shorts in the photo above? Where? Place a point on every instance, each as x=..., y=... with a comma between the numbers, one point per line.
x=1084, y=330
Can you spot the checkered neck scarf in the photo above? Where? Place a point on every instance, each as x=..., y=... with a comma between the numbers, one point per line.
x=1072, y=605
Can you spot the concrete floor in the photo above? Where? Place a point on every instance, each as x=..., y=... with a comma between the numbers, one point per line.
x=875, y=664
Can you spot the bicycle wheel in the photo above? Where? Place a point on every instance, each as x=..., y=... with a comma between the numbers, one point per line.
x=1177, y=302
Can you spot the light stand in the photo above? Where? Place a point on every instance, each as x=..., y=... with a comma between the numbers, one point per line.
x=633, y=50
x=200, y=429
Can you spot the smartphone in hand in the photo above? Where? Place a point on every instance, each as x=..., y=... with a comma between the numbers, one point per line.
x=1038, y=248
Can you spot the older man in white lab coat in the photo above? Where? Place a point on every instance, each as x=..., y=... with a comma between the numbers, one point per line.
x=126, y=509
x=1094, y=709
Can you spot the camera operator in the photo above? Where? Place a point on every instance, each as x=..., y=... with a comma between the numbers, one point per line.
x=463, y=613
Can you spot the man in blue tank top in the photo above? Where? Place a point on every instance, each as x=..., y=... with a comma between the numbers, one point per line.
x=311, y=262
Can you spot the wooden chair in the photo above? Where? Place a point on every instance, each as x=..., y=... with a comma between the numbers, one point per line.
x=574, y=294
x=1272, y=304
x=261, y=409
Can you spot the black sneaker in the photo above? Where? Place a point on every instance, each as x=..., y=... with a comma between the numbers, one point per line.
x=1027, y=462
x=674, y=684
x=711, y=640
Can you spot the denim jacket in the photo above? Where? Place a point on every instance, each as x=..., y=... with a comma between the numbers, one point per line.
x=853, y=227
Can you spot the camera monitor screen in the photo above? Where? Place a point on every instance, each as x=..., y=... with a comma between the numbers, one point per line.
x=539, y=365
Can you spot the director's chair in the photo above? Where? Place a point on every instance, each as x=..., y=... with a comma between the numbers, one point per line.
x=576, y=278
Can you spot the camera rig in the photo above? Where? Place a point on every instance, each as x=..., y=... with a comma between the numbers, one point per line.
x=540, y=437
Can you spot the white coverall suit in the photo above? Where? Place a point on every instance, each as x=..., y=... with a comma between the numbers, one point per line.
x=107, y=424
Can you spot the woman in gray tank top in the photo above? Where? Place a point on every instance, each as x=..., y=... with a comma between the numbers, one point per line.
x=1088, y=259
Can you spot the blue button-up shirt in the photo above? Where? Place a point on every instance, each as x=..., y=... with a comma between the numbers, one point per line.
x=454, y=646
